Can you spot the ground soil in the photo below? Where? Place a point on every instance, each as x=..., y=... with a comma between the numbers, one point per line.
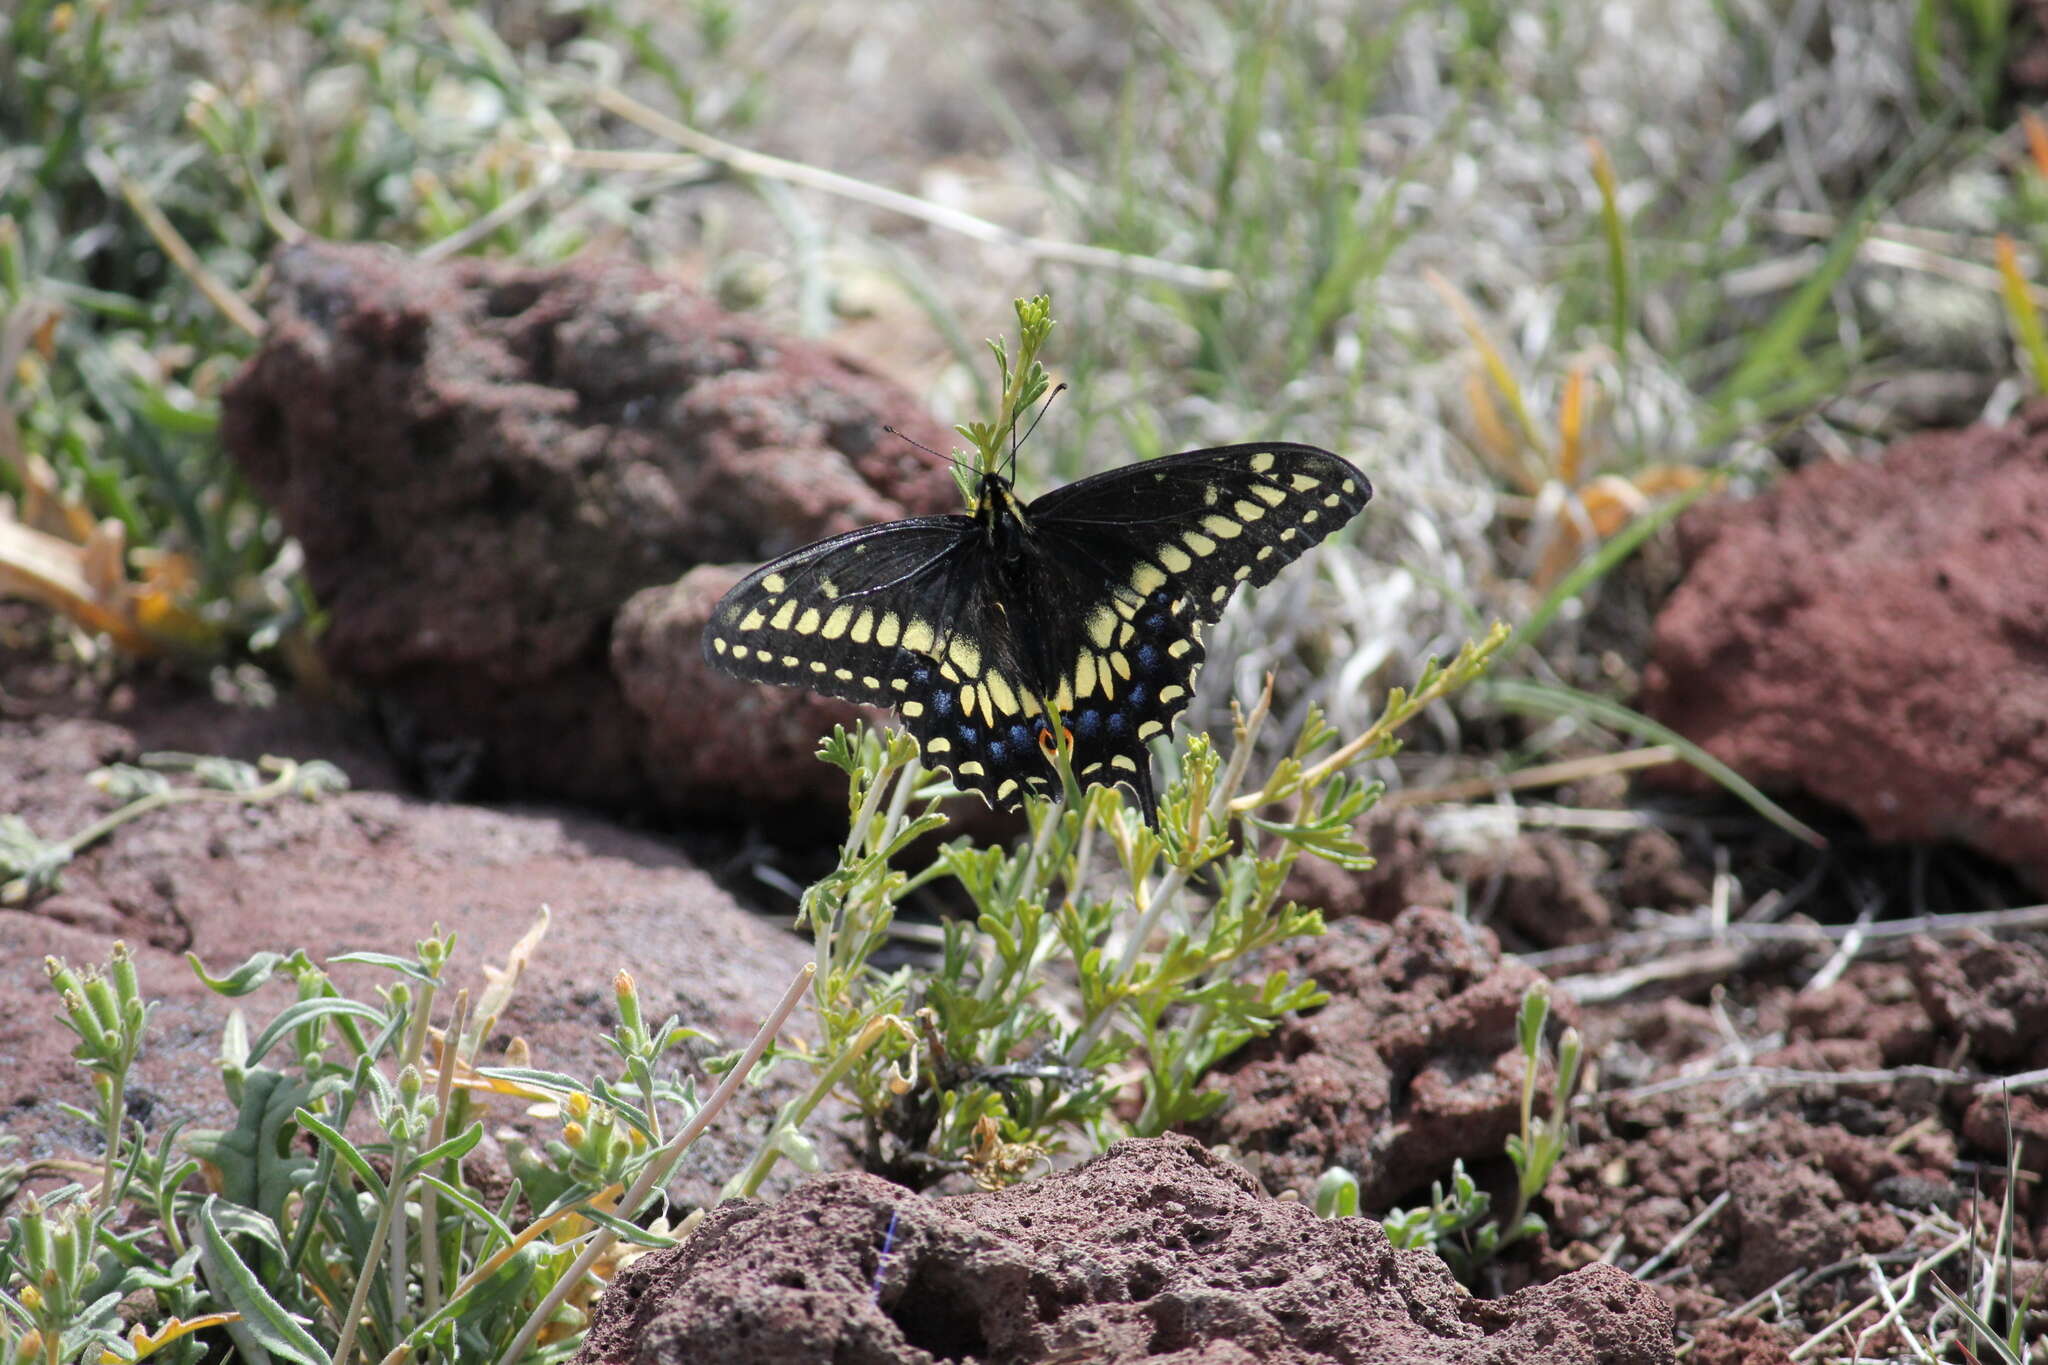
x=1739, y=1131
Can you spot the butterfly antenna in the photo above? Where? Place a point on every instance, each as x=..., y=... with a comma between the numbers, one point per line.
x=962, y=464
x=1016, y=441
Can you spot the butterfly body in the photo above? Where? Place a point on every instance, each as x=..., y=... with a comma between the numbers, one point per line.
x=1089, y=600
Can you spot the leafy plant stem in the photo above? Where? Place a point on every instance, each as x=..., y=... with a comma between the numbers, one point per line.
x=657, y=1169
x=394, y=1200
x=748, y=1182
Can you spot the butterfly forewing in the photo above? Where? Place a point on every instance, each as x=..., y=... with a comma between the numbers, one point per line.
x=844, y=616
x=1201, y=523
x=1152, y=552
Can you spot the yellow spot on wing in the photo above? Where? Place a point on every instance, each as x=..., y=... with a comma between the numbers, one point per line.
x=1262, y=462
x=835, y=624
x=1268, y=494
x=1124, y=761
x=740, y=651
x=817, y=665
x=1332, y=501
x=1102, y=626
x=1302, y=483
x=996, y=686
x=1223, y=528
x=917, y=636
x=807, y=624
x=719, y=645
x=754, y=620
x=1084, y=676
x=863, y=626
x=1249, y=511
x=886, y=632
x=969, y=769
x=784, y=615
x=773, y=583
x=1120, y=664
x=913, y=709
x=1167, y=694
x=1009, y=785
x=1144, y=579
x=965, y=656
x=871, y=682
x=939, y=745
x=1199, y=543
x=1180, y=647
x=1149, y=729
x=1174, y=558
x=843, y=674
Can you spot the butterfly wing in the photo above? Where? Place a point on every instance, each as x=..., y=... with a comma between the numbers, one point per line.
x=842, y=616
x=1135, y=561
x=904, y=614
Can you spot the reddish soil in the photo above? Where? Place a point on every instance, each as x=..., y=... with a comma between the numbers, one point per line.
x=1411, y=1064
x=374, y=869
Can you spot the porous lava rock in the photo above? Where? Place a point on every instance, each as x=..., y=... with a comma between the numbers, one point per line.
x=1875, y=634
x=1990, y=995
x=1413, y=1062
x=484, y=463
x=369, y=869
x=1156, y=1251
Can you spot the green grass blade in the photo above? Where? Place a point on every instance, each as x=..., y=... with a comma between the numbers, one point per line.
x=1776, y=352
x=1598, y=565
x=1551, y=699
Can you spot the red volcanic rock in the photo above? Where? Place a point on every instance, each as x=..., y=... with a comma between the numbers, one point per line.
x=1156, y=1251
x=1413, y=1063
x=1876, y=634
x=484, y=462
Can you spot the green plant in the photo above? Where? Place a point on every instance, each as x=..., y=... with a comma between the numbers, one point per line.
x=977, y=1066
x=1454, y=1223
x=334, y=1219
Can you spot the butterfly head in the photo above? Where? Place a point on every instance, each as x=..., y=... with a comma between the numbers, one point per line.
x=1002, y=519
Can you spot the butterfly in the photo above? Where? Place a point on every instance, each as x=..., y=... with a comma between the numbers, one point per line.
x=1092, y=598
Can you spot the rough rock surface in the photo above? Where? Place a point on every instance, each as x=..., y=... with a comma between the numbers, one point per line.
x=369, y=869
x=1411, y=1064
x=1156, y=1251
x=1876, y=634
x=485, y=462
x=1992, y=994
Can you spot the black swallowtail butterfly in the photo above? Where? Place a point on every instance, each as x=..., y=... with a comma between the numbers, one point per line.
x=1092, y=598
